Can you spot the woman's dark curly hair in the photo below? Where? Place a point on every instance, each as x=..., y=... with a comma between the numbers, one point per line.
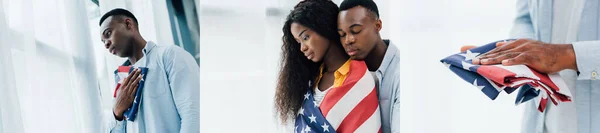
x=297, y=72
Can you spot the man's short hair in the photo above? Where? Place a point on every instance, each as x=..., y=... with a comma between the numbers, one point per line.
x=117, y=12
x=368, y=4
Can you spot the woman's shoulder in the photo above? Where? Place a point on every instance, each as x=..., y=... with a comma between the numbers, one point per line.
x=357, y=65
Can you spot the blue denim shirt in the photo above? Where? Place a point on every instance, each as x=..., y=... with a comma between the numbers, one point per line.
x=388, y=75
x=170, y=100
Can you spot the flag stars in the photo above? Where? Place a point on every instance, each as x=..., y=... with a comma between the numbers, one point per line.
x=307, y=129
x=469, y=55
x=312, y=118
x=466, y=65
x=325, y=127
x=446, y=64
x=476, y=85
x=306, y=95
x=301, y=111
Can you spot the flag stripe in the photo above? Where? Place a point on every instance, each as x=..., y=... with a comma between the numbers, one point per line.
x=545, y=79
x=117, y=89
x=349, y=101
x=355, y=75
x=124, y=69
x=373, y=124
x=556, y=79
x=493, y=73
x=360, y=114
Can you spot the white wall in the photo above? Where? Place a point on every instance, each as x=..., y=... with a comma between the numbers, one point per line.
x=434, y=99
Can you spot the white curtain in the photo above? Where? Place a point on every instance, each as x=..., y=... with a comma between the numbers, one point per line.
x=48, y=68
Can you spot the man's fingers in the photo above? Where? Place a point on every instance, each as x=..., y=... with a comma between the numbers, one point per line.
x=499, y=53
x=466, y=47
x=476, y=61
x=126, y=80
x=498, y=59
x=134, y=90
x=135, y=84
x=137, y=72
x=130, y=78
x=518, y=60
x=498, y=44
x=505, y=46
x=516, y=48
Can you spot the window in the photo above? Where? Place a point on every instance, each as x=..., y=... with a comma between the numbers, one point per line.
x=48, y=57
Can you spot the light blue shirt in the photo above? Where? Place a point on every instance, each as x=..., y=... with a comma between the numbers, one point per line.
x=170, y=99
x=534, y=20
x=388, y=75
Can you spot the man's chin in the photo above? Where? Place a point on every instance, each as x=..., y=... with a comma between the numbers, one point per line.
x=119, y=55
x=356, y=58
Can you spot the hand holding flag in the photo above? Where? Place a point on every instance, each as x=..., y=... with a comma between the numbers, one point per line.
x=125, y=93
x=491, y=78
x=542, y=57
x=128, y=93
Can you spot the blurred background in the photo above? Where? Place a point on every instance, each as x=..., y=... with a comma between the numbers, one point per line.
x=241, y=45
x=55, y=73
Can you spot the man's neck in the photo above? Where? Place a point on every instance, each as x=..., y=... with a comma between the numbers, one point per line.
x=139, y=44
x=335, y=58
x=375, y=57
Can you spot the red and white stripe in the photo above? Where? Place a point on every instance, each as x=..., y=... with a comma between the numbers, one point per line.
x=353, y=106
x=122, y=72
x=551, y=86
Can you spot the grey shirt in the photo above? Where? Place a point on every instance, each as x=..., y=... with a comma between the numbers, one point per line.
x=388, y=75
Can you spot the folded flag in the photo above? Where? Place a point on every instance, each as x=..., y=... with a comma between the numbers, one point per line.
x=492, y=79
x=348, y=108
x=120, y=75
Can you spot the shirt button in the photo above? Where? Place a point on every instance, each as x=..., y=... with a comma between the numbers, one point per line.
x=594, y=74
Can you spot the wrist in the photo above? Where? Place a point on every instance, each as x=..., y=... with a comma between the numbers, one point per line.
x=117, y=114
x=567, y=57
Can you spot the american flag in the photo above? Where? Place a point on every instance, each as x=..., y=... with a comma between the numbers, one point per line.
x=120, y=75
x=493, y=79
x=348, y=108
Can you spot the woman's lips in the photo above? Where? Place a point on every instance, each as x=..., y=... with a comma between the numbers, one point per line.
x=310, y=56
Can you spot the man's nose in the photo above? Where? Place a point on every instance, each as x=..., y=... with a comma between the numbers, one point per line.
x=349, y=39
x=107, y=43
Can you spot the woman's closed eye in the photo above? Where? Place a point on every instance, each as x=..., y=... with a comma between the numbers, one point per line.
x=305, y=38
